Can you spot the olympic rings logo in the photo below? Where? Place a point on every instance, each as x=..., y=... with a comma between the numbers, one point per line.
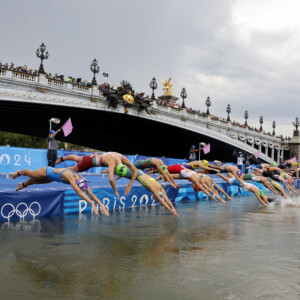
x=21, y=213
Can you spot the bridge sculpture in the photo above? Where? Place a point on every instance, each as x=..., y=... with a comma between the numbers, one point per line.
x=38, y=89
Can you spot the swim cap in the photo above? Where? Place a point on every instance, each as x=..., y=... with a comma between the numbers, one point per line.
x=193, y=147
x=82, y=183
x=260, y=193
x=273, y=164
x=121, y=170
x=195, y=187
x=295, y=163
x=52, y=131
x=239, y=172
x=205, y=163
x=164, y=168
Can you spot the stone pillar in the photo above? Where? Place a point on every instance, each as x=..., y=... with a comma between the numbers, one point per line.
x=295, y=147
x=272, y=155
x=42, y=79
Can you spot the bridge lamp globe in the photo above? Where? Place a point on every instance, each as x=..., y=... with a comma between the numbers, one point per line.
x=296, y=124
x=208, y=104
x=261, y=121
x=54, y=120
x=95, y=69
x=153, y=86
x=274, y=126
x=40, y=54
x=246, y=117
x=183, y=95
x=228, y=110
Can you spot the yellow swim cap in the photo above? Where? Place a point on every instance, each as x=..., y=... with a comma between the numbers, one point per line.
x=205, y=163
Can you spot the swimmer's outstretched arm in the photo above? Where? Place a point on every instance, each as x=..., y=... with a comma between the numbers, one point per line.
x=93, y=197
x=111, y=170
x=173, y=210
x=219, y=188
x=127, y=162
x=81, y=194
x=167, y=177
x=163, y=203
x=255, y=192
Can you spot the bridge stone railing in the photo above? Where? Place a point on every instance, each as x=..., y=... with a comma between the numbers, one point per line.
x=26, y=87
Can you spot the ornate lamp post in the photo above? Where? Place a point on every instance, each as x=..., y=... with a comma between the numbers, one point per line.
x=261, y=120
x=40, y=53
x=95, y=69
x=274, y=126
x=183, y=95
x=296, y=124
x=246, y=117
x=208, y=104
x=153, y=86
x=228, y=110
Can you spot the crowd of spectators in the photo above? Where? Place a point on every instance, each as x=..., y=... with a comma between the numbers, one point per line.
x=203, y=114
x=167, y=104
x=23, y=69
x=20, y=69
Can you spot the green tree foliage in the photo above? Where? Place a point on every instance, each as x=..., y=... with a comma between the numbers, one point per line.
x=28, y=141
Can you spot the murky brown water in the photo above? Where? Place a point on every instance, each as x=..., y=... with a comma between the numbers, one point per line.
x=239, y=251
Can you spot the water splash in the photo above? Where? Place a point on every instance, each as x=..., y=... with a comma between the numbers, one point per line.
x=291, y=201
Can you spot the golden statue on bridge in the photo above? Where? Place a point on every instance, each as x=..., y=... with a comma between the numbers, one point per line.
x=168, y=87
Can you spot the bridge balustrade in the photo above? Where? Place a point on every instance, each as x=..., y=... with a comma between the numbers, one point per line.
x=81, y=88
x=57, y=83
x=24, y=76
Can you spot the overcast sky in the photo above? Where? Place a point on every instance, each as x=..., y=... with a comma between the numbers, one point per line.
x=240, y=52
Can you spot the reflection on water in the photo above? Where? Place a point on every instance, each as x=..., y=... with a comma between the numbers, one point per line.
x=234, y=251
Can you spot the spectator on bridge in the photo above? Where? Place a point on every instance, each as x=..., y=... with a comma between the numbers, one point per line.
x=52, y=148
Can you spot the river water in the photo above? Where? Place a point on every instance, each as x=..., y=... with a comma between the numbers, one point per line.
x=213, y=251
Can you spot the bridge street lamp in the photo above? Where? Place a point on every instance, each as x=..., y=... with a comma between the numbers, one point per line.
x=246, y=117
x=228, y=110
x=53, y=120
x=183, y=95
x=296, y=124
x=95, y=69
x=153, y=86
x=274, y=126
x=208, y=104
x=261, y=120
x=40, y=53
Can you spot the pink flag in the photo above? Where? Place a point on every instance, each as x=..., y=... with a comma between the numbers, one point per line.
x=67, y=127
x=293, y=159
x=206, y=149
x=257, y=154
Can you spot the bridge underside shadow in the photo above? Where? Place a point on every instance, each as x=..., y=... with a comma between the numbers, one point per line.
x=109, y=131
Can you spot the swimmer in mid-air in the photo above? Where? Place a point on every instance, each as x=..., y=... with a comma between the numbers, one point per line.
x=261, y=179
x=156, y=164
x=263, y=199
x=67, y=176
x=150, y=184
x=229, y=169
x=108, y=159
x=199, y=164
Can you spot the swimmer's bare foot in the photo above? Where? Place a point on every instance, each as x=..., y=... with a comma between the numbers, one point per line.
x=16, y=174
x=21, y=186
x=58, y=160
x=230, y=198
